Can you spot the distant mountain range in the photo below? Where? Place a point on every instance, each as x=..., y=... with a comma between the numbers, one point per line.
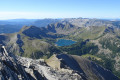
x=14, y=25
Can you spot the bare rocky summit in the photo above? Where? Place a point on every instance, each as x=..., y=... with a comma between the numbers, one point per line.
x=70, y=68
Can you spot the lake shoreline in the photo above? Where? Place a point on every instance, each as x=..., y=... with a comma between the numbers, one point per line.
x=64, y=42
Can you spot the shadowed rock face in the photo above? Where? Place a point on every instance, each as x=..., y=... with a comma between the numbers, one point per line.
x=11, y=68
x=2, y=38
x=70, y=62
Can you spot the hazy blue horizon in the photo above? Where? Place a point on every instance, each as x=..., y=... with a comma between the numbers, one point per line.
x=55, y=18
x=40, y=9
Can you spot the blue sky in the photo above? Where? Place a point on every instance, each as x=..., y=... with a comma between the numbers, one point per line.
x=34, y=9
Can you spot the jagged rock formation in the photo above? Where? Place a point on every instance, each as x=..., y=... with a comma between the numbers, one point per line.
x=19, y=68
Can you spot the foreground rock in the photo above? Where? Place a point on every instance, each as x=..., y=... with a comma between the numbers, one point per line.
x=20, y=68
x=67, y=68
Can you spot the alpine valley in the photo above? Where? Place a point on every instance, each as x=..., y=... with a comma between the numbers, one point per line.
x=32, y=53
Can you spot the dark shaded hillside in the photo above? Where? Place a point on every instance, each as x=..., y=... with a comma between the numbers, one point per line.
x=89, y=69
x=34, y=32
x=39, y=33
x=96, y=69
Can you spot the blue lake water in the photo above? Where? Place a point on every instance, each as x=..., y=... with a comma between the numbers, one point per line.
x=64, y=42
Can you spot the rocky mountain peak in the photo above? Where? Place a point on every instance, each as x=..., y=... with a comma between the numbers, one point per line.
x=71, y=67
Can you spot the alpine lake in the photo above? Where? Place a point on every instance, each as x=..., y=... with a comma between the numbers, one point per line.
x=64, y=42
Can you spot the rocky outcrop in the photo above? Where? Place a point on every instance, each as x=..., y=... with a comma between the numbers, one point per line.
x=10, y=68
x=20, y=68
x=62, y=28
x=54, y=62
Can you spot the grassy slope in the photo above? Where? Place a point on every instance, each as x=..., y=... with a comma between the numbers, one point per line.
x=85, y=33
